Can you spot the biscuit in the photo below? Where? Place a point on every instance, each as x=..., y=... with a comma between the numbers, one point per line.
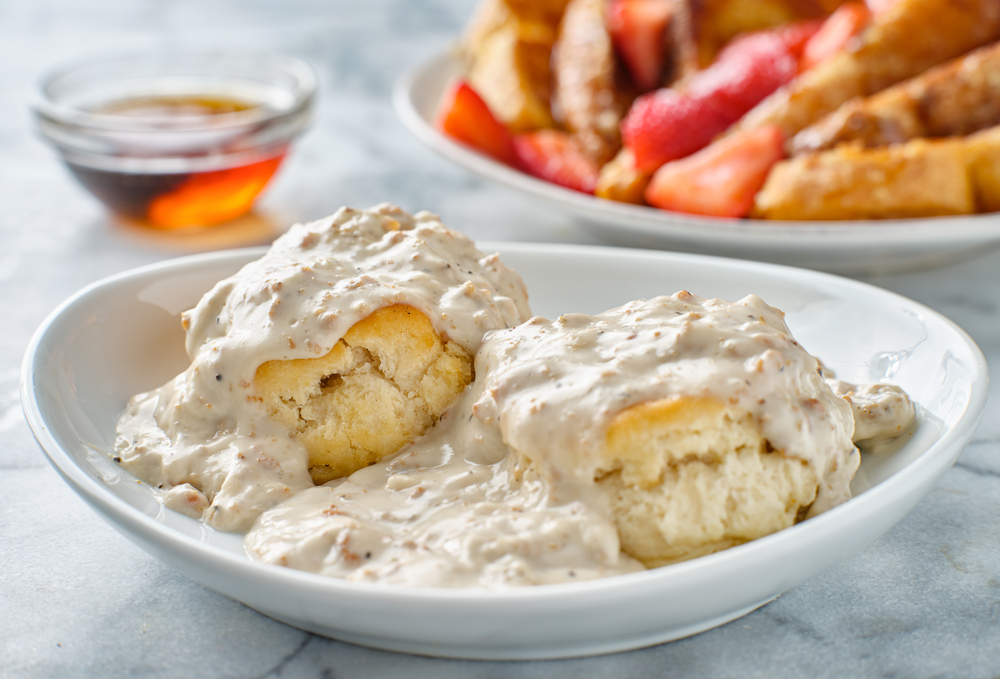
x=381, y=386
x=690, y=476
x=694, y=425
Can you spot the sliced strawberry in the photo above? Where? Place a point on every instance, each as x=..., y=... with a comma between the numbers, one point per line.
x=722, y=179
x=637, y=29
x=850, y=19
x=797, y=33
x=745, y=74
x=551, y=155
x=665, y=125
x=792, y=37
x=464, y=116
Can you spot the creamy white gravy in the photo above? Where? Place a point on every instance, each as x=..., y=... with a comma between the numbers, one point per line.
x=501, y=491
x=454, y=509
x=206, y=439
x=881, y=411
x=555, y=385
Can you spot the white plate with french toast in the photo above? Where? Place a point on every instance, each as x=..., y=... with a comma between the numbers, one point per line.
x=849, y=247
x=123, y=335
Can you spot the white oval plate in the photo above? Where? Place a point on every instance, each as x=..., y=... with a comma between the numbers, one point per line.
x=122, y=335
x=845, y=247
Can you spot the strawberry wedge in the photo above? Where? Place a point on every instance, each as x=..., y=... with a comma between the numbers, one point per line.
x=464, y=116
x=666, y=125
x=746, y=73
x=792, y=37
x=551, y=155
x=637, y=29
x=720, y=180
x=850, y=19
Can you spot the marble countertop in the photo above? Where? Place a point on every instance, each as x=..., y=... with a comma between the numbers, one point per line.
x=79, y=600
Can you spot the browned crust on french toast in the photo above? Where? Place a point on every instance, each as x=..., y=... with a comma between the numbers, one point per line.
x=955, y=99
x=983, y=154
x=921, y=178
x=588, y=97
x=903, y=41
x=507, y=51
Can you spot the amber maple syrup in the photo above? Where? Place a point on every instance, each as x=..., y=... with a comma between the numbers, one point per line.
x=171, y=200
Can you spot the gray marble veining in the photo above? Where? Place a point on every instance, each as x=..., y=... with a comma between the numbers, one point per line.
x=78, y=600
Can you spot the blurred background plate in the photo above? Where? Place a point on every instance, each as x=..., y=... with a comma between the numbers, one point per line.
x=853, y=247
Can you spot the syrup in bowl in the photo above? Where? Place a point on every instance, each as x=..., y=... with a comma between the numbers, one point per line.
x=177, y=142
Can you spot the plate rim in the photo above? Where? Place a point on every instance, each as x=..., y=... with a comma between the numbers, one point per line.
x=926, y=468
x=947, y=230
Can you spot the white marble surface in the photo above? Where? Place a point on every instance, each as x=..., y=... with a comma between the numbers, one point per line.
x=78, y=600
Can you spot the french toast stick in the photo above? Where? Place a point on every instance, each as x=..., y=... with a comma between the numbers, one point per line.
x=903, y=41
x=983, y=150
x=621, y=181
x=588, y=98
x=954, y=99
x=921, y=178
x=682, y=43
x=507, y=51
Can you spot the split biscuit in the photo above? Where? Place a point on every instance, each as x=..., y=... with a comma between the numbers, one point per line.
x=384, y=384
x=690, y=476
x=506, y=52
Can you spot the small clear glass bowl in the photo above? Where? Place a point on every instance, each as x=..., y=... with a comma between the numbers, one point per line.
x=183, y=169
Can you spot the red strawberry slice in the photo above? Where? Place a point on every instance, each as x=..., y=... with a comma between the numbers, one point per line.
x=464, y=116
x=850, y=19
x=792, y=36
x=637, y=29
x=722, y=179
x=665, y=125
x=551, y=155
x=741, y=80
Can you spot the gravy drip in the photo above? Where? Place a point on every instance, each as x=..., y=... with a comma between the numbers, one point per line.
x=881, y=411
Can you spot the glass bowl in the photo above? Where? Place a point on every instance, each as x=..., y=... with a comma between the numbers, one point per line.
x=176, y=140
